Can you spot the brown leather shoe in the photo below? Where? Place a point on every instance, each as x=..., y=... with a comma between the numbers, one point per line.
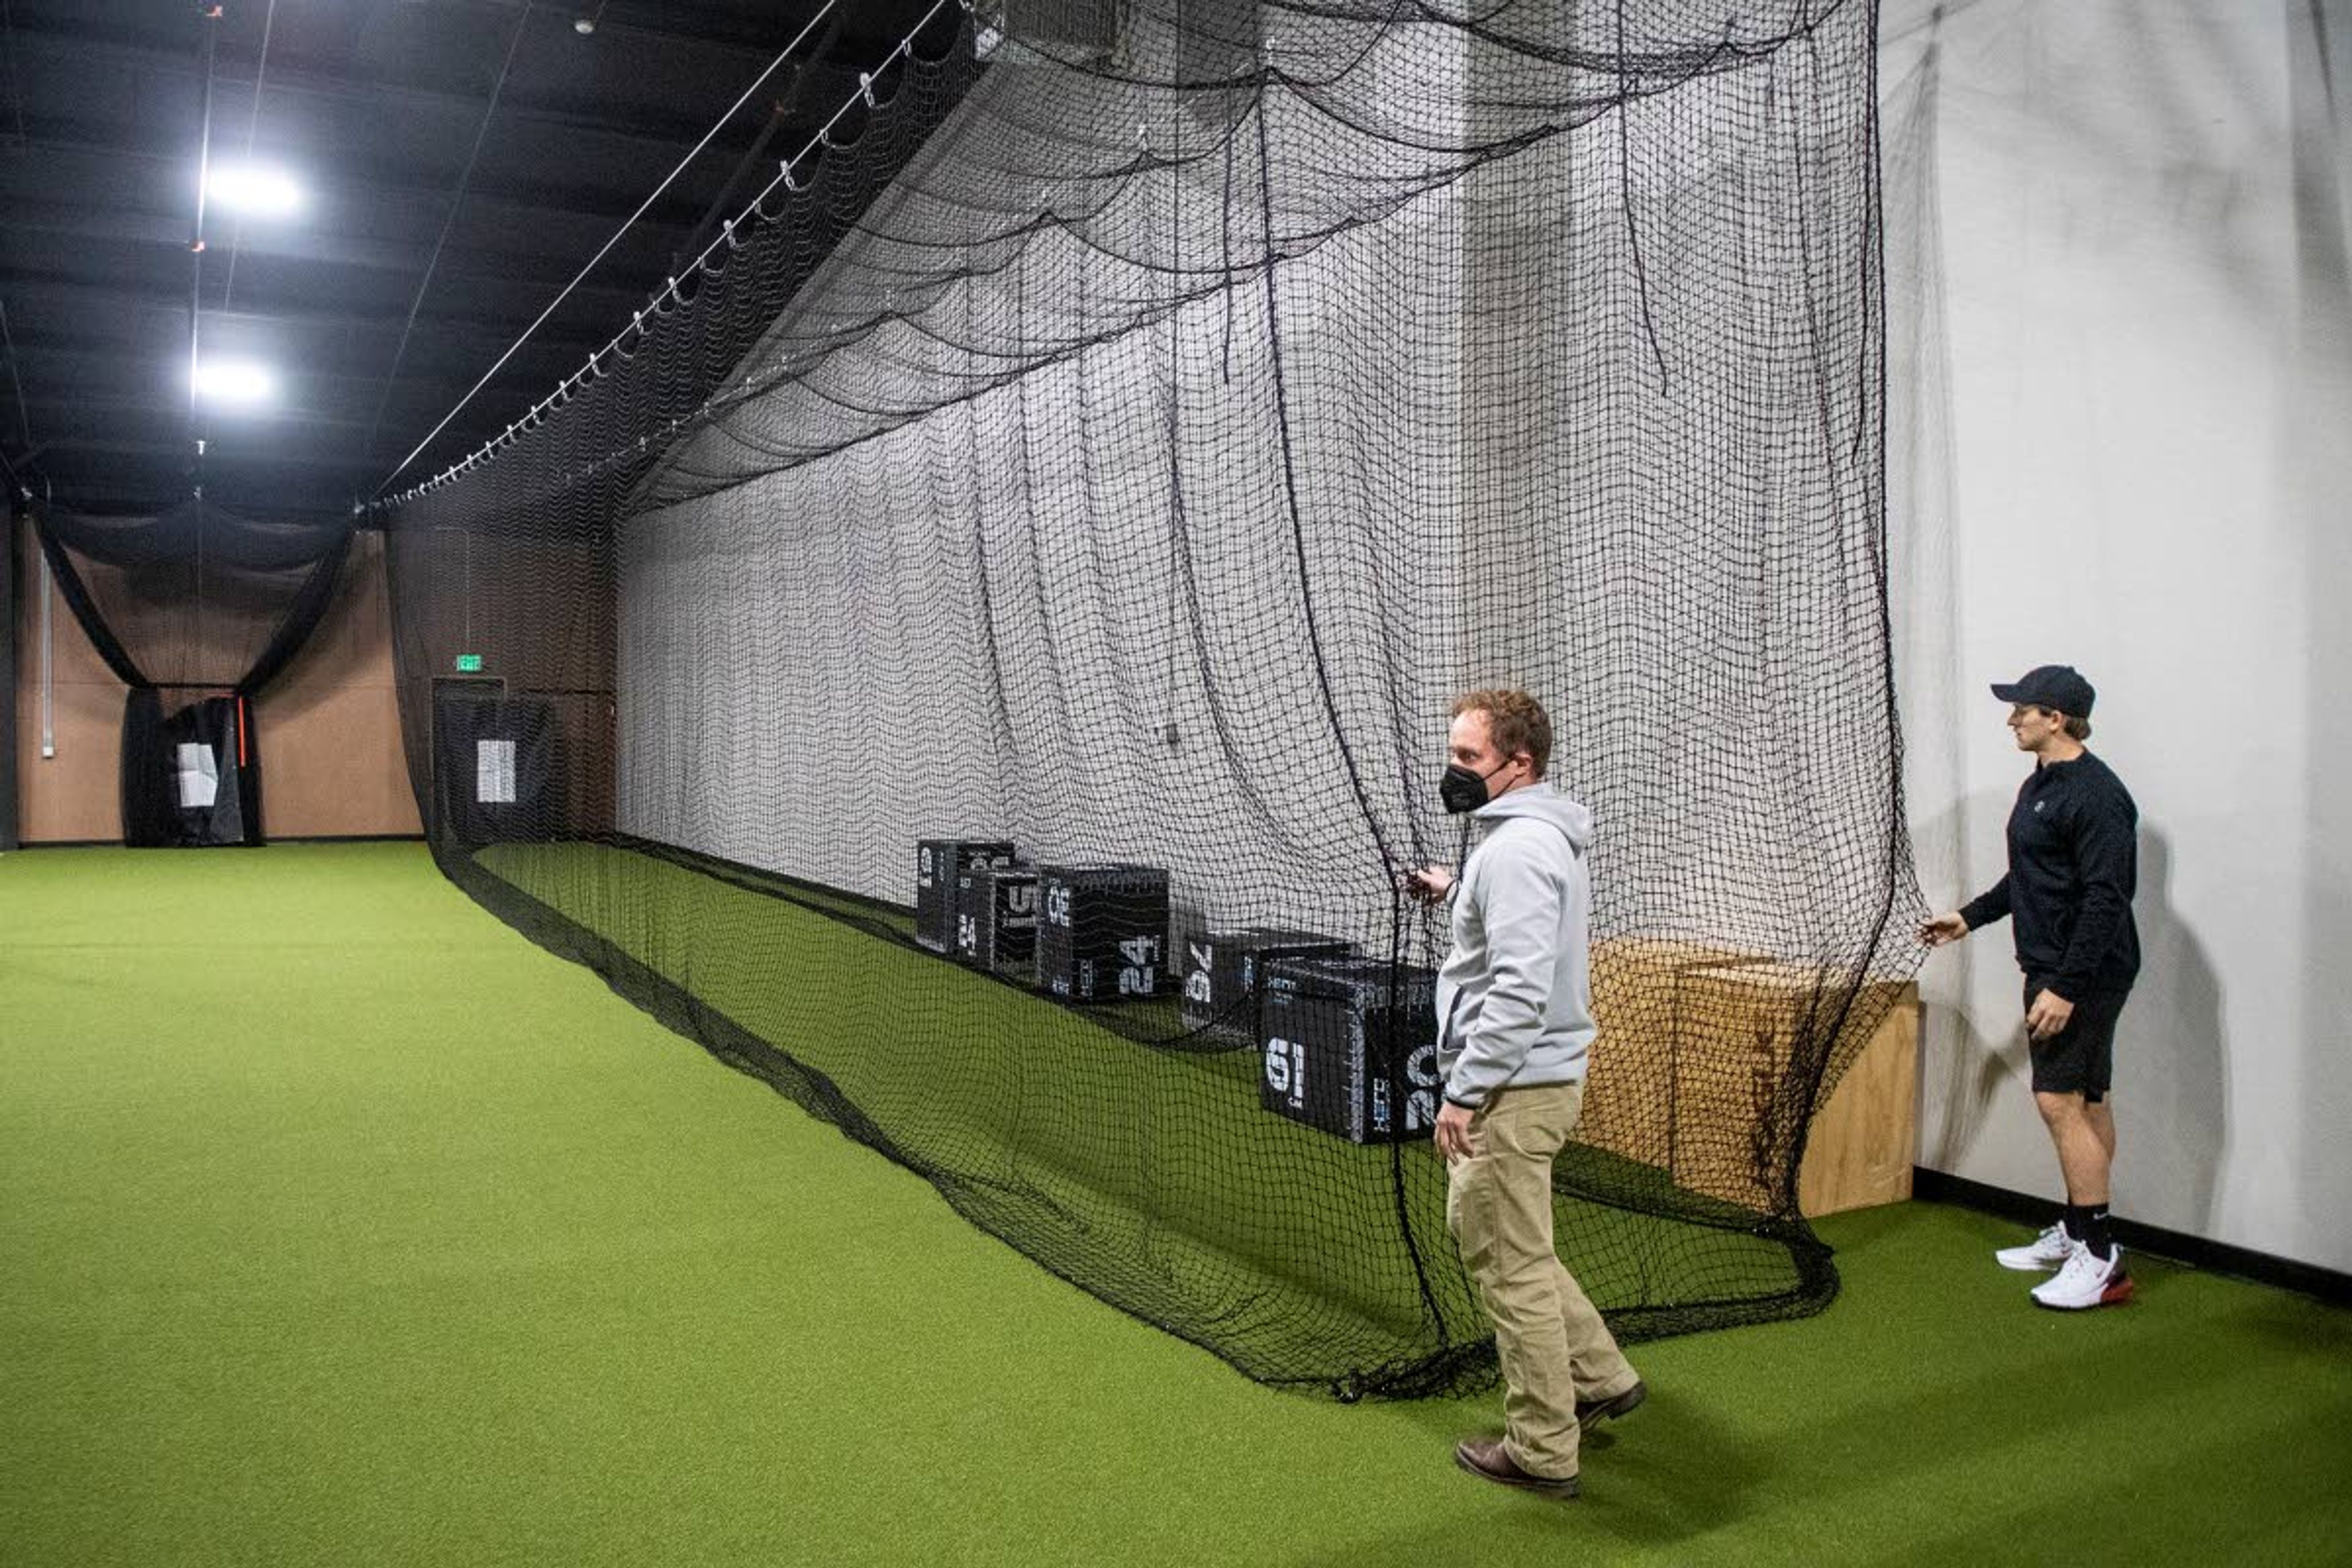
x=1486, y=1459
x=1588, y=1411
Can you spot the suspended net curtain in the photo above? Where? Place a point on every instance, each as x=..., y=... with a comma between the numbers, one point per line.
x=196, y=610
x=1118, y=454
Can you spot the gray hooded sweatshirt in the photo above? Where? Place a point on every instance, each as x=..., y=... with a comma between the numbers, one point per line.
x=1514, y=1000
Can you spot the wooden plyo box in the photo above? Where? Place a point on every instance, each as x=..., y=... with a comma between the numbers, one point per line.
x=1694, y=1045
x=1735, y=1028
x=1629, y=1099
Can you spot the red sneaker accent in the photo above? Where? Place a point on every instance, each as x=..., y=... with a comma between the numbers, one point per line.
x=2119, y=1290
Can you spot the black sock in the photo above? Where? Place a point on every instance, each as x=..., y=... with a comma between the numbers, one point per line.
x=2087, y=1222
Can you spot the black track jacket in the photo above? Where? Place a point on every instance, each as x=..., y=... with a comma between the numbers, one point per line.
x=2073, y=865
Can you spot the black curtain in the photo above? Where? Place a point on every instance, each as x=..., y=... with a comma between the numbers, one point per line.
x=216, y=791
x=148, y=816
x=192, y=776
x=494, y=762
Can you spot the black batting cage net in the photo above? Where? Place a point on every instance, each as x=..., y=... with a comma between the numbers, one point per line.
x=977, y=655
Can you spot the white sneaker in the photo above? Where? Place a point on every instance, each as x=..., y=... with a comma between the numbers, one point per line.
x=2087, y=1280
x=2044, y=1252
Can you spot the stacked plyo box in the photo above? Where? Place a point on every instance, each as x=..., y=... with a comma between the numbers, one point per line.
x=1695, y=1044
x=1737, y=1029
x=1102, y=931
x=996, y=920
x=1225, y=971
x=1350, y=1045
x=1629, y=1100
x=938, y=863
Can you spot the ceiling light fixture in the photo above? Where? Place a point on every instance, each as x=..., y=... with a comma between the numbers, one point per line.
x=583, y=25
x=254, y=190
x=235, y=383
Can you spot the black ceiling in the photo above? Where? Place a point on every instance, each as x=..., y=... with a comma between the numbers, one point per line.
x=376, y=105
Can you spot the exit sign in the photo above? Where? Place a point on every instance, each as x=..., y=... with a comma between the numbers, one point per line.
x=470, y=664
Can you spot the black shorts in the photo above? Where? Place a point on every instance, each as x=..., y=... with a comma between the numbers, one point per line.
x=2081, y=1057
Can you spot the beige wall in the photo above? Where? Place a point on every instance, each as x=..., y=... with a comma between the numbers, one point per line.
x=330, y=728
x=75, y=794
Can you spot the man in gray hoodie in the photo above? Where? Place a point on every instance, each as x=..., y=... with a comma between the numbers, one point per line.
x=1515, y=1030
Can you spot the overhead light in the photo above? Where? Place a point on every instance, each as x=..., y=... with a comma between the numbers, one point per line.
x=237, y=382
x=257, y=190
x=583, y=25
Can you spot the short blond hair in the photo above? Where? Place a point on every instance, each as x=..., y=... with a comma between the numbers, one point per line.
x=2078, y=728
x=1515, y=723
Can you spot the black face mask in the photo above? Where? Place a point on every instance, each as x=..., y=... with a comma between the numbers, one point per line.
x=1464, y=789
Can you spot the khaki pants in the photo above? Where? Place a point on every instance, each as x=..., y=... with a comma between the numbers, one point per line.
x=1554, y=1347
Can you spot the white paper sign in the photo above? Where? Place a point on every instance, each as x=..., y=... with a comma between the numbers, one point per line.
x=494, y=773
x=199, y=776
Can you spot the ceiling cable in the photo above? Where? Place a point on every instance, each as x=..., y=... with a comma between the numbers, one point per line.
x=24, y=415
x=16, y=97
x=726, y=239
x=252, y=128
x=626, y=225
x=448, y=221
x=210, y=16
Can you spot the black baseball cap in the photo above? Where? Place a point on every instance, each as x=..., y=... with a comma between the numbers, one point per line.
x=2057, y=686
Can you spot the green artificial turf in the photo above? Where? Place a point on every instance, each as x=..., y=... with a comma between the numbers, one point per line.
x=340, y=1225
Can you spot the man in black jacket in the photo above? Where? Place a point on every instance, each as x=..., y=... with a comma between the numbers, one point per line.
x=2073, y=843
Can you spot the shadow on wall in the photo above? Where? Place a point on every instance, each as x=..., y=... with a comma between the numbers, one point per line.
x=2317, y=384
x=2172, y=1082
x=1974, y=1062
x=1922, y=588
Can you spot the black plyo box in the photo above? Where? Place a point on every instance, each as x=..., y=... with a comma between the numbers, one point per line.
x=1102, y=931
x=996, y=920
x=1222, y=971
x=938, y=863
x=1343, y=1053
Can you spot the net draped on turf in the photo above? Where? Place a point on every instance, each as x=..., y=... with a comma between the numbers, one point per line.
x=1124, y=447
